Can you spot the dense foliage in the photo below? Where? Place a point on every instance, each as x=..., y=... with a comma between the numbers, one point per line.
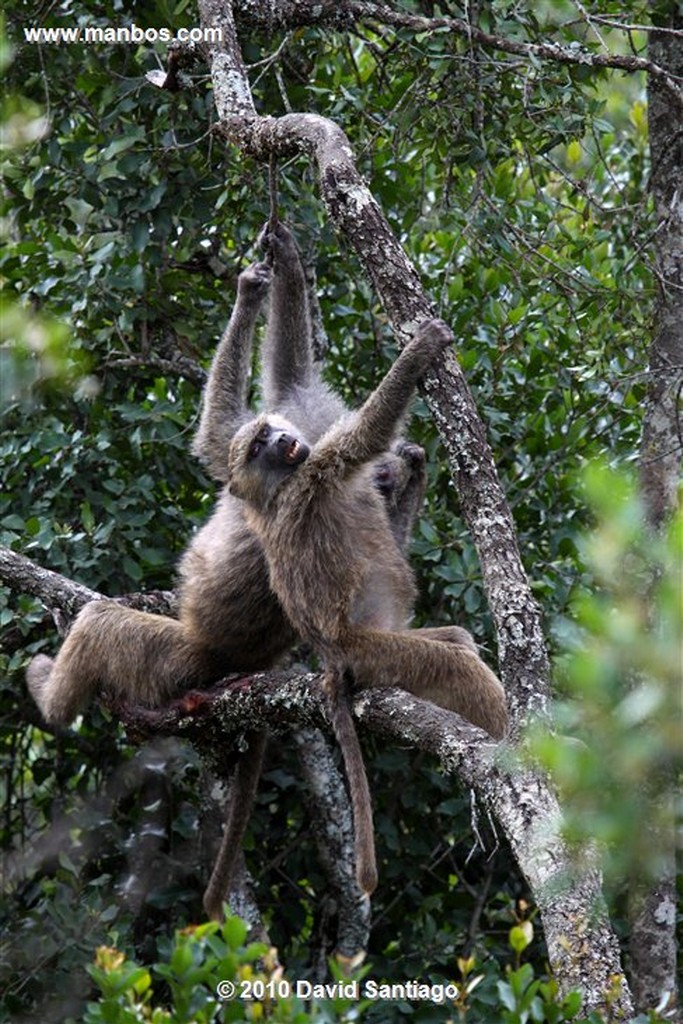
x=518, y=188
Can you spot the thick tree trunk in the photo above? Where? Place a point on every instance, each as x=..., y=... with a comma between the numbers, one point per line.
x=663, y=433
x=332, y=827
x=653, y=907
x=660, y=461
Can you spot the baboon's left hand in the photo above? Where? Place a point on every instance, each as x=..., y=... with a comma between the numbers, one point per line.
x=435, y=335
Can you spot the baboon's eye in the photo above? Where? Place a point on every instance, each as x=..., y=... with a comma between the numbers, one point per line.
x=259, y=441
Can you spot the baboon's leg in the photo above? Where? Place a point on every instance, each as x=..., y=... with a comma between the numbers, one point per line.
x=447, y=635
x=449, y=674
x=242, y=795
x=139, y=656
x=347, y=738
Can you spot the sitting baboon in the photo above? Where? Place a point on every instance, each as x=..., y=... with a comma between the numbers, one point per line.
x=339, y=574
x=228, y=620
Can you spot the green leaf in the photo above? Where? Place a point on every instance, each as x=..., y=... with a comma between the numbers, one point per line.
x=521, y=936
x=235, y=932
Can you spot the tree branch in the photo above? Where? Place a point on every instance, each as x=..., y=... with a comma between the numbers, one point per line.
x=54, y=590
x=57, y=592
x=581, y=947
x=345, y=14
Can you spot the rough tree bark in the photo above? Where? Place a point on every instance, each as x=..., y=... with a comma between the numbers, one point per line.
x=662, y=429
x=334, y=839
x=653, y=907
x=66, y=597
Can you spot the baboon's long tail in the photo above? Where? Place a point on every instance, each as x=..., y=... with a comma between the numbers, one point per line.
x=242, y=795
x=347, y=738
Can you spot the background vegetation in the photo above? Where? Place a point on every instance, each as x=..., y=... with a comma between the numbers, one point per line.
x=519, y=191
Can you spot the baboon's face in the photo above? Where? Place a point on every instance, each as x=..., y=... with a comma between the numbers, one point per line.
x=262, y=455
x=274, y=449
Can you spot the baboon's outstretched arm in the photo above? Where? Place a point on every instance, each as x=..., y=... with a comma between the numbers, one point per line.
x=376, y=423
x=287, y=360
x=224, y=403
